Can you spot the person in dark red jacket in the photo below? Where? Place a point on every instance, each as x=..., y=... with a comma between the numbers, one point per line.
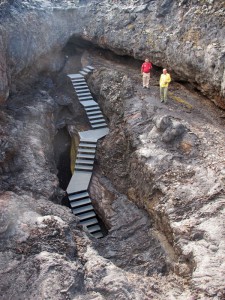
x=145, y=71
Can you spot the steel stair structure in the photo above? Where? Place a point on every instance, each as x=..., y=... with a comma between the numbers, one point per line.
x=77, y=189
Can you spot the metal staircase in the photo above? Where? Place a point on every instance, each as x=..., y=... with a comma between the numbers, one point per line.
x=77, y=189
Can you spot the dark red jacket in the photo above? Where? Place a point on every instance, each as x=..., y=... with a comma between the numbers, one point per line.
x=146, y=67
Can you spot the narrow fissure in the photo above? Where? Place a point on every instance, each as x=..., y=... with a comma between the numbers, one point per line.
x=70, y=118
x=111, y=179
x=62, y=148
x=74, y=50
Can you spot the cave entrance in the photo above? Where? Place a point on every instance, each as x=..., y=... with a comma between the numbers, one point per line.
x=62, y=145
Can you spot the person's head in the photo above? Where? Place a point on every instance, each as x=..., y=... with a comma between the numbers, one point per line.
x=146, y=60
x=164, y=71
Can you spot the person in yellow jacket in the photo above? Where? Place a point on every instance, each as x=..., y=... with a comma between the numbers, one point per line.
x=164, y=83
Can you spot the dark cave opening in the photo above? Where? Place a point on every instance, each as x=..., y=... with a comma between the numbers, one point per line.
x=104, y=229
x=62, y=144
x=77, y=45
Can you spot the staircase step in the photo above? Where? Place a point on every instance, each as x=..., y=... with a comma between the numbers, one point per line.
x=90, y=68
x=100, y=116
x=94, y=228
x=78, y=203
x=79, y=83
x=82, y=209
x=99, y=125
x=81, y=79
x=84, y=161
x=98, y=121
x=94, y=113
x=90, y=103
x=82, y=171
x=86, y=70
x=83, y=167
x=93, y=105
x=87, y=145
x=78, y=196
x=86, y=97
x=83, y=73
x=83, y=94
x=88, y=156
x=97, y=235
x=89, y=222
x=78, y=79
x=82, y=101
x=75, y=76
x=87, y=215
x=85, y=150
x=82, y=89
x=86, y=140
x=93, y=108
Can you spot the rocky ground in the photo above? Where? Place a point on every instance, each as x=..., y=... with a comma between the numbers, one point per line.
x=168, y=159
x=159, y=176
x=158, y=186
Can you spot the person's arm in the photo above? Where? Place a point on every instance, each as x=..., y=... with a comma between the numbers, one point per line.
x=142, y=69
x=168, y=79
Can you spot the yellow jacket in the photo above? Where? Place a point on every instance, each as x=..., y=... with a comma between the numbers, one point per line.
x=164, y=80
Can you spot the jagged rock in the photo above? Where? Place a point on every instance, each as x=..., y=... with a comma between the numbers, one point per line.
x=166, y=174
x=167, y=162
x=132, y=229
x=176, y=34
x=4, y=84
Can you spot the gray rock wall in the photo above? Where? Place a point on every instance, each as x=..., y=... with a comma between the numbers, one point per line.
x=166, y=163
x=187, y=37
x=184, y=36
x=4, y=86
